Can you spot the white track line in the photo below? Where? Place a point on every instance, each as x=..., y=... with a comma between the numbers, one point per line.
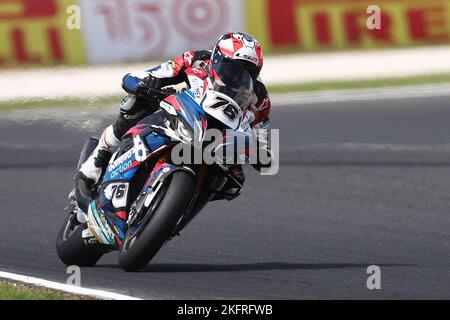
x=100, y=294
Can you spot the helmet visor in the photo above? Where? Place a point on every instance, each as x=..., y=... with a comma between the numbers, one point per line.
x=232, y=79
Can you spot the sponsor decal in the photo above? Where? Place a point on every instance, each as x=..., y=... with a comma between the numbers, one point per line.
x=196, y=85
x=121, y=168
x=160, y=29
x=197, y=19
x=310, y=25
x=127, y=155
x=35, y=33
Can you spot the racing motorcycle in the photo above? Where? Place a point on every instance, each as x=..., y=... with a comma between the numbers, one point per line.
x=146, y=196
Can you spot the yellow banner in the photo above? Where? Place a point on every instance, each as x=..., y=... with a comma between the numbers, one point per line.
x=34, y=32
x=311, y=25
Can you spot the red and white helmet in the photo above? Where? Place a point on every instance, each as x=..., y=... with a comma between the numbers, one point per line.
x=240, y=47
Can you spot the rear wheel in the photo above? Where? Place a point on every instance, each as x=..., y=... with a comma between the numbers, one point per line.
x=71, y=248
x=69, y=243
x=136, y=252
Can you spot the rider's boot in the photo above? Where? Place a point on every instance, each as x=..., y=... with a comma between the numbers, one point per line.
x=102, y=226
x=91, y=170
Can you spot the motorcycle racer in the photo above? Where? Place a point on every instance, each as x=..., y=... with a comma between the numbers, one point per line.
x=236, y=47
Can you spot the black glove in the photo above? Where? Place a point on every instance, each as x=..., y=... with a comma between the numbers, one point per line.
x=147, y=84
x=169, y=91
x=152, y=82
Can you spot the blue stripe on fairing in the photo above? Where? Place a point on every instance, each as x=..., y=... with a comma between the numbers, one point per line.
x=155, y=141
x=190, y=93
x=191, y=107
x=130, y=173
x=192, y=101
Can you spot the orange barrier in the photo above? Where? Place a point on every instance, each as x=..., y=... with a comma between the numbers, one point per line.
x=310, y=25
x=34, y=32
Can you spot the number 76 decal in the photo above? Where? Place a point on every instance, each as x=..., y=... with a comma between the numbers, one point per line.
x=222, y=108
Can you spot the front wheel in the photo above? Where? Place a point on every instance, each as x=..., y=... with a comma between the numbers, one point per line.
x=135, y=253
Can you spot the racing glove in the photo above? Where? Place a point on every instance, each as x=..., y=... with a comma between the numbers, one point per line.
x=148, y=83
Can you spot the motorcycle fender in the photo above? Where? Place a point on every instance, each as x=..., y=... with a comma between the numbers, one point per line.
x=162, y=171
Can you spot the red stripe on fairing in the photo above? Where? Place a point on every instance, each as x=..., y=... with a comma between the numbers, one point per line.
x=203, y=122
x=158, y=150
x=157, y=166
x=134, y=131
x=122, y=215
x=172, y=100
x=136, y=163
x=205, y=86
x=118, y=241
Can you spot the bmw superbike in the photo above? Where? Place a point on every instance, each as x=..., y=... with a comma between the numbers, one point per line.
x=145, y=197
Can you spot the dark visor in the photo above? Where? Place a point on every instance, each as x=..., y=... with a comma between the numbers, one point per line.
x=232, y=79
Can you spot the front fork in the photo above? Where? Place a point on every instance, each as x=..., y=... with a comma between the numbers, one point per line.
x=206, y=187
x=149, y=196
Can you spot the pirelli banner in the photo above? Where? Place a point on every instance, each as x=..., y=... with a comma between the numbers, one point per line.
x=34, y=32
x=49, y=32
x=312, y=25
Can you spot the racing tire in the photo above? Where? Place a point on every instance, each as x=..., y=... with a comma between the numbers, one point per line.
x=71, y=247
x=161, y=226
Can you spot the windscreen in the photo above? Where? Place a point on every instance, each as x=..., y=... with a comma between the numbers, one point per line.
x=232, y=79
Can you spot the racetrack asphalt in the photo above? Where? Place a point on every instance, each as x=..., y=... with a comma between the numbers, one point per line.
x=360, y=183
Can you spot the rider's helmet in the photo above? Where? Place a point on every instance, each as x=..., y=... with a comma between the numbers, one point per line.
x=241, y=48
x=236, y=61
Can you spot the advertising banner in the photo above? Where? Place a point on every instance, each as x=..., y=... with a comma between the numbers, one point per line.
x=34, y=32
x=310, y=25
x=127, y=30
x=37, y=32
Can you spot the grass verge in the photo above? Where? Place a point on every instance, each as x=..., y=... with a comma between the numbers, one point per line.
x=15, y=291
x=362, y=84
x=36, y=103
x=289, y=88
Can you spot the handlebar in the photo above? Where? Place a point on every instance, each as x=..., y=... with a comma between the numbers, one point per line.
x=157, y=95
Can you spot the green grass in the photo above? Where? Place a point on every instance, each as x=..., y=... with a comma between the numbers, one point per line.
x=300, y=87
x=361, y=84
x=10, y=291
x=59, y=102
